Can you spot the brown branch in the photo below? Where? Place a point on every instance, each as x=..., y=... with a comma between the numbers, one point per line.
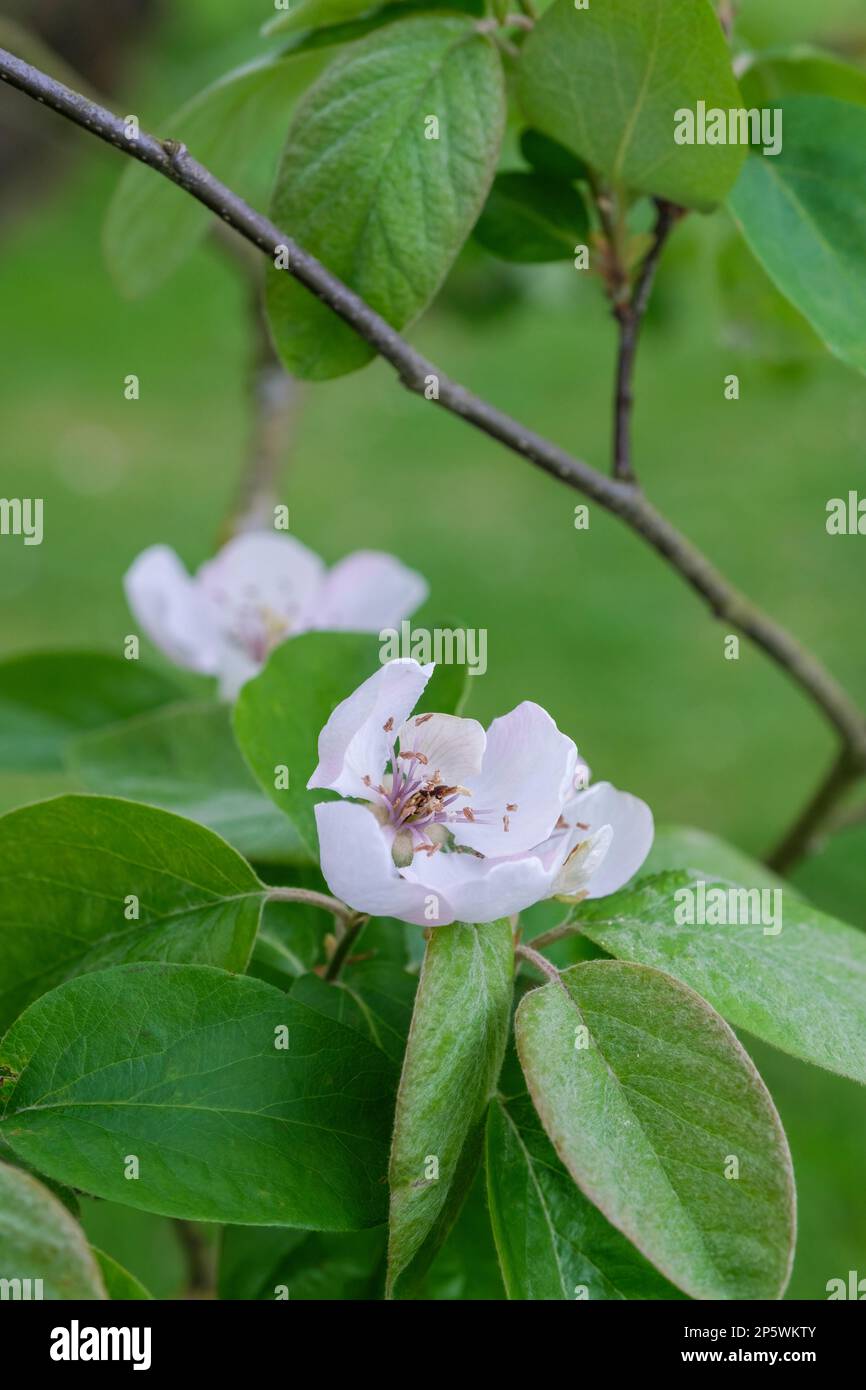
x=199, y=1260
x=629, y=315
x=415, y=372
x=274, y=395
x=819, y=818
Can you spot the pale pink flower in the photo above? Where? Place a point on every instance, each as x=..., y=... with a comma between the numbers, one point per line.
x=260, y=589
x=449, y=823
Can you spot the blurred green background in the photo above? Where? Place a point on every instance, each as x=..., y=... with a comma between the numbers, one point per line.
x=589, y=623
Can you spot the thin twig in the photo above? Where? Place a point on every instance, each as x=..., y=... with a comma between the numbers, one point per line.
x=539, y=961
x=274, y=400
x=629, y=315
x=339, y=911
x=817, y=820
x=547, y=938
x=416, y=372
x=198, y=1258
x=343, y=948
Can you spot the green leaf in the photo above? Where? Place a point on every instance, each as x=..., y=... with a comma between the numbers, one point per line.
x=182, y=1067
x=373, y=997
x=118, y=1281
x=648, y=1110
x=363, y=188
x=453, y=1056
x=73, y=865
x=802, y=988
x=553, y=1244
x=184, y=758
x=803, y=213
x=800, y=69
x=315, y=14
x=757, y=318
x=466, y=1268
x=63, y=1194
x=235, y=127
x=685, y=847
x=40, y=1240
x=48, y=697
x=607, y=81
x=532, y=217
x=268, y=1264
x=280, y=714
x=549, y=157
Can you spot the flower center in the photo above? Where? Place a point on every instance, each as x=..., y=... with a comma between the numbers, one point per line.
x=251, y=623
x=420, y=805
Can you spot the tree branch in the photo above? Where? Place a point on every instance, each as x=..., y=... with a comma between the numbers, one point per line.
x=415, y=371
x=629, y=315
x=274, y=395
x=819, y=819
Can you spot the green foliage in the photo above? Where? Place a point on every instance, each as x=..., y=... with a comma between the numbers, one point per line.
x=94, y=881
x=40, y=1240
x=301, y=1265
x=800, y=69
x=119, y=1283
x=184, y=758
x=606, y=82
x=453, y=1056
x=754, y=971
x=235, y=127
x=260, y=1133
x=648, y=1098
x=375, y=191
x=532, y=217
x=803, y=214
x=46, y=698
x=553, y=1243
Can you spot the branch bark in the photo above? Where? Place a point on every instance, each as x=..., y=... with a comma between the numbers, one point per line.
x=415, y=372
x=629, y=314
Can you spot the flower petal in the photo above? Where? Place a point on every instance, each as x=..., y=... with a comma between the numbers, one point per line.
x=262, y=580
x=355, y=743
x=452, y=746
x=365, y=592
x=529, y=764
x=168, y=605
x=630, y=820
x=482, y=890
x=357, y=865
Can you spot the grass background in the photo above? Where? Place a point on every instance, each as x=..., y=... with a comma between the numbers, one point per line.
x=590, y=624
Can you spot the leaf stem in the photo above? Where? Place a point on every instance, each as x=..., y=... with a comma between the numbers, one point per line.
x=547, y=938
x=341, y=913
x=539, y=961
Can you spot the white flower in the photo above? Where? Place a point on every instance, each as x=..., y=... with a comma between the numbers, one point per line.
x=260, y=589
x=458, y=824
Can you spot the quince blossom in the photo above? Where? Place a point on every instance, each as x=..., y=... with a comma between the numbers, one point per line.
x=445, y=822
x=260, y=589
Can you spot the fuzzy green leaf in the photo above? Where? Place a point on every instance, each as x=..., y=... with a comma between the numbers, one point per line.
x=665, y=1125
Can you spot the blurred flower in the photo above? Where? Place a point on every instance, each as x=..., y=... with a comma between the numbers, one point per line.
x=260, y=589
x=458, y=824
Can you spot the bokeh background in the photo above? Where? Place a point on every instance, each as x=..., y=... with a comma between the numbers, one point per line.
x=589, y=623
